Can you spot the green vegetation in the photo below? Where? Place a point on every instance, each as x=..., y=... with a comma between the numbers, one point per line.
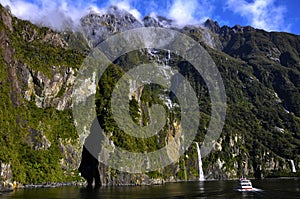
x=254, y=111
x=32, y=162
x=41, y=48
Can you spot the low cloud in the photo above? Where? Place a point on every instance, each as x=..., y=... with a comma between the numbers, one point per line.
x=262, y=14
x=190, y=12
x=127, y=5
x=183, y=12
x=57, y=13
x=52, y=13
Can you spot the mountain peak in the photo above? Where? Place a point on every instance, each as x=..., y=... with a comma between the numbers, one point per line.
x=212, y=25
x=114, y=10
x=157, y=21
x=151, y=21
x=99, y=26
x=242, y=29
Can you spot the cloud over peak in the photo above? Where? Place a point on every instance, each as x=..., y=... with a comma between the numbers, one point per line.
x=264, y=14
x=126, y=5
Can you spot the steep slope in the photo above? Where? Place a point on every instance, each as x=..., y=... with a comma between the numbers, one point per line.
x=38, y=138
x=271, y=87
x=262, y=125
x=273, y=56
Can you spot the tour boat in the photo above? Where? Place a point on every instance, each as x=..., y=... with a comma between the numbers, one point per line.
x=245, y=184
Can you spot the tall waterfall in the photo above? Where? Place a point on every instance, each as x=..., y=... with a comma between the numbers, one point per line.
x=293, y=168
x=201, y=175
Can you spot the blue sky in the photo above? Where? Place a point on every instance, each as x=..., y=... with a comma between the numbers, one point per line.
x=271, y=15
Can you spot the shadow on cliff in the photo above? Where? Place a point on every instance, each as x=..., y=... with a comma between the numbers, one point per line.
x=89, y=166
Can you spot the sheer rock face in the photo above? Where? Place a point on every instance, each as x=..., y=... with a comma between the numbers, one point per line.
x=6, y=18
x=55, y=91
x=37, y=140
x=5, y=171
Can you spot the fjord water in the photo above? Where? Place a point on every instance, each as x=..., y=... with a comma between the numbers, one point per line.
x=268, y=188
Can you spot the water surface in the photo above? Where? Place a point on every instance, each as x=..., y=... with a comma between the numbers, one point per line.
x=268, y=188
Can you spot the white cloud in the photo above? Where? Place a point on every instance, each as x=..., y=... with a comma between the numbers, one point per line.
x=262, y=14
x=22, y=9
x=56, y=13
x=52, y=13
x=190, y=12
x=182, y=11
x=126, y=5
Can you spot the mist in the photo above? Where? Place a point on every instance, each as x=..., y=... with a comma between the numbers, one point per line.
x=60, y=15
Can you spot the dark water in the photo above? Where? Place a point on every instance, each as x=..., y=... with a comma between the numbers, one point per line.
x=268, y=188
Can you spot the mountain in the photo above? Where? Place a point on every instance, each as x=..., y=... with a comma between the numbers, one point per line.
x=273, y=56
x=40, y=142
x=99, y=27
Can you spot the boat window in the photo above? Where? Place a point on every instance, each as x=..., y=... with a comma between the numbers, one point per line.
x=245, y=184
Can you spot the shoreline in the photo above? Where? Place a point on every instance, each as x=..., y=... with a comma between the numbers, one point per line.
x=10, y=187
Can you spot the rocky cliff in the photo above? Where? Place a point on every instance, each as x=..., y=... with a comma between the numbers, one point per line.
x=39, y=139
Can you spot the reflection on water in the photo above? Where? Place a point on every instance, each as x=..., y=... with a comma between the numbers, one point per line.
x=267, y=188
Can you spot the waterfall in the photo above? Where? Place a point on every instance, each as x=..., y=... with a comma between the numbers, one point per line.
x=168, y=57
x=200, y=170
x=185, y=174
x=293, y=168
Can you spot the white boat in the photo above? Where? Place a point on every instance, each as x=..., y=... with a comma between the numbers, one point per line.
x=245, y=185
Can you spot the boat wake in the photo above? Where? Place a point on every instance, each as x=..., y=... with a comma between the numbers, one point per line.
x=249, y=190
